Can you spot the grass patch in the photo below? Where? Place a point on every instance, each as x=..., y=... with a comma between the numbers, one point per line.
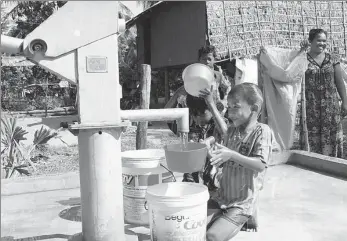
x=56, y=160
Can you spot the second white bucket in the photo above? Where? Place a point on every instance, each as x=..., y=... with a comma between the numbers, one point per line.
x=141, y=168
x=177, y=211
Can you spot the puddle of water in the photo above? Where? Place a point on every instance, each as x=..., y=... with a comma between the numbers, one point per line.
x=72, y=214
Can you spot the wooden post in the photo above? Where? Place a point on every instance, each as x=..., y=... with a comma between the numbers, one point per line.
x=145, y=87
x=167, y=87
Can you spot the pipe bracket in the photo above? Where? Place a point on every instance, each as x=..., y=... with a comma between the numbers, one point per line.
x=76, y=127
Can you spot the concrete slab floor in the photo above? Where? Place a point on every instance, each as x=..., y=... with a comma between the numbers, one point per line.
x=296, y=204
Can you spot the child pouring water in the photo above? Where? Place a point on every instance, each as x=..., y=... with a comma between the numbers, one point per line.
x=243, y=157
x=202, y=127
x=206, y=55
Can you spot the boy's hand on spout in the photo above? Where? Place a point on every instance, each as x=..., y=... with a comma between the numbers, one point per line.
x=220, y=155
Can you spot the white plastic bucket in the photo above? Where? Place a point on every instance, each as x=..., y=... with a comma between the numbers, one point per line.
x=141, y=168
x=178, y=211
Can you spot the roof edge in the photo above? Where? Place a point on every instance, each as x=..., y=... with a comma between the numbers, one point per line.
x=133, y=21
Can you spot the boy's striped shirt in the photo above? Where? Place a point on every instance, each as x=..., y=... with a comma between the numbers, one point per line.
x=239, y=186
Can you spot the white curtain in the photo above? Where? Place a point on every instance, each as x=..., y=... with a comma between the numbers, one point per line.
x=284, y=71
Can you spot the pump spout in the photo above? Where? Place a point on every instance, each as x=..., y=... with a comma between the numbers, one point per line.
x=11, y=45
x=181, y=115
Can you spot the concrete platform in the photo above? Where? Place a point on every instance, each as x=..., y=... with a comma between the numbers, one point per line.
x=296, y=204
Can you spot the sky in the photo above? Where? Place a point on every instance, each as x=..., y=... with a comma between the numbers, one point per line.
x=133, y=6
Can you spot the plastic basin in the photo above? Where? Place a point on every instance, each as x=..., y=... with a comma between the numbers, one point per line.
x=186, y=160
x=197, y=77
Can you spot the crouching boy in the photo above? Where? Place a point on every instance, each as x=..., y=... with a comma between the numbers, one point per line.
x=243, y=157
x=202, y=126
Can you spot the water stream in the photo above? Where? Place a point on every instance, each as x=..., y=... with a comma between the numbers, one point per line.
x=183, y=140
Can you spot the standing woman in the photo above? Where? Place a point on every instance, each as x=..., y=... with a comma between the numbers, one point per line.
x=324, y=86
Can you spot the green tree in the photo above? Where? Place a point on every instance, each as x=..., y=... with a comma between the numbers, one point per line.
x=19, y=18
x=146, y=4
x=127, y=48
x=27, y=15
x=22, y=17
x=125, y=12
x=7, y=7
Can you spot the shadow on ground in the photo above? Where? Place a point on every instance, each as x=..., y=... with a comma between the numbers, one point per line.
x=41, y=237
x=54, y=122
x=74, y=212
x=141, y=236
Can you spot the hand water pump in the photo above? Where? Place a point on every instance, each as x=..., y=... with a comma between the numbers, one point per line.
x=80, y=44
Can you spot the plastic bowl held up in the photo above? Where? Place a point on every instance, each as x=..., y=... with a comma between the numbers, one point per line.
x=197, y=77
x=188, y=159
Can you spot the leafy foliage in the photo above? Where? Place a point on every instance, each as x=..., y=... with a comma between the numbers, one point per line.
x=146, y=4
x=14, y=79
x=7, y=7
x=15, y=157
x=11, y=133
x=127, y=56
x=20, y=19
x=42, y=136
x=128, y=66
x=30, y=14
x=23, y=17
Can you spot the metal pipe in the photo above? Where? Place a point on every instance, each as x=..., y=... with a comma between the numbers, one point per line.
x=181, y=115
x=11, y=45
x=101, y=184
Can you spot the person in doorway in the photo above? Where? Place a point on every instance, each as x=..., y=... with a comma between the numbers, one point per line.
x=243, y=158
x=323, y=86
x=206, y=55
